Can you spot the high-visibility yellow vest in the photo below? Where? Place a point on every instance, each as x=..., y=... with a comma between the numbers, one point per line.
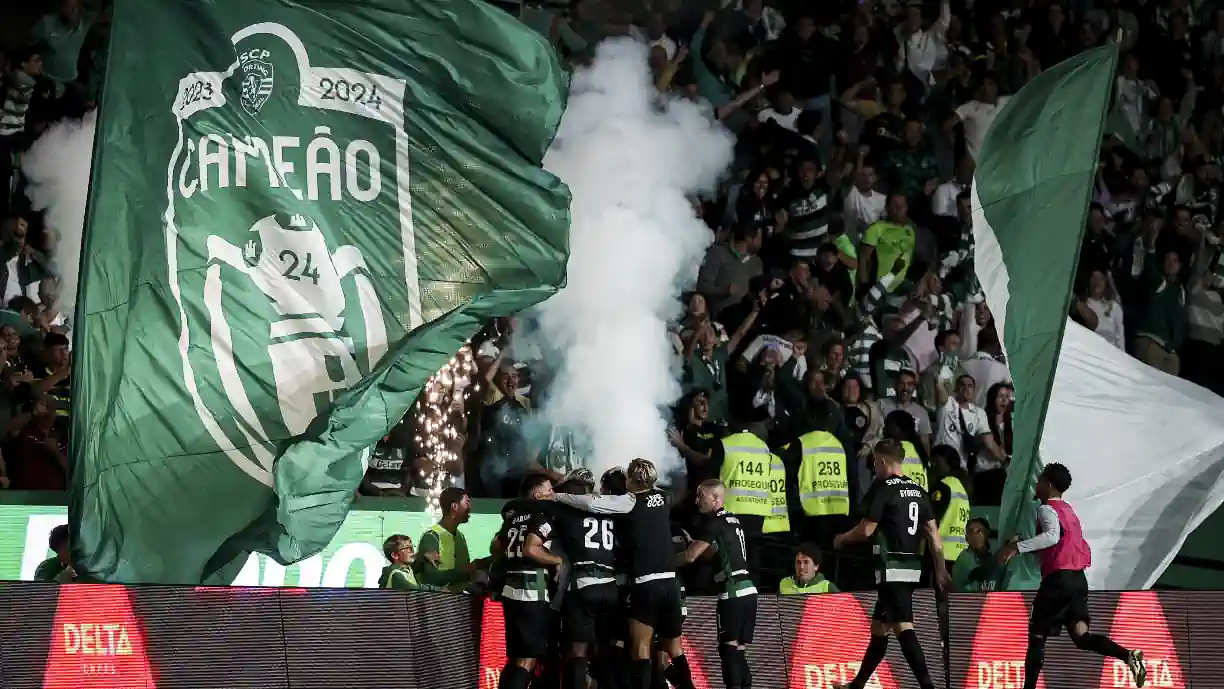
x=446, y=547
x=746, y=472
x=788, y=587
x=824, y=480
x=955, y=519
x=778, y=520
x=912, y=466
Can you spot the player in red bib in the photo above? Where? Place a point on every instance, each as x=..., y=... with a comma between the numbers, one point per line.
x=1062, y=599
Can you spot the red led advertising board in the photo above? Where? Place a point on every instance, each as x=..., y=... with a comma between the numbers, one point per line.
x=150, y=637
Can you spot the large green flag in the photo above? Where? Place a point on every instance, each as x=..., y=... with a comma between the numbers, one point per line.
x=299, y=212
x=1031, y=191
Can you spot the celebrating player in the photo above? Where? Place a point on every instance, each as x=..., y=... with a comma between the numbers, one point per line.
x=1062, y=599
x=737, y=602
x=524, y=540
x=898, y=517
x=589, y=607
x=654, y=596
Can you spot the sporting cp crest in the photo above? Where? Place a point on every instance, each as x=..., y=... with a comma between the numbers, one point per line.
x=257, y=80
x=285, y=269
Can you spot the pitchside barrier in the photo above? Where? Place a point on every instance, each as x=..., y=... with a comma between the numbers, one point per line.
x=153, y=637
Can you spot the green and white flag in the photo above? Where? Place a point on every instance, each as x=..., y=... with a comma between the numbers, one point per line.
x=298, y=213
x=1030, y=197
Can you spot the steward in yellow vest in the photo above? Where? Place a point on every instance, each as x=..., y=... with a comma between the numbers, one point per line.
x=899, y=426
x=807, y=578
x=824, y=475
x=747, y=472
x=778, y=520
x=955, y=517
x=949, y=501
x=913, y=467
x=444, y=559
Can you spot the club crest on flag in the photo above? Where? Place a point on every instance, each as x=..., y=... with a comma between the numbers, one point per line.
x=287, y=311
x=257, y=80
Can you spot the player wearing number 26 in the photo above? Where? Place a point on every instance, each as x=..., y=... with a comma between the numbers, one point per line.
x=897, y=518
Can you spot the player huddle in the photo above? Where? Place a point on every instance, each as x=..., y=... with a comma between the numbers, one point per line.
x=589, y=578
x=610, y=558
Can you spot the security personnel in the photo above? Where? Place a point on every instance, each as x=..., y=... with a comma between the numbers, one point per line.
x=443, y=559
x=778, y=520
x=746, y=472
x=825, y=480
x=950, y=501
x=824, y=476
x=807, y=578
x=899, y=425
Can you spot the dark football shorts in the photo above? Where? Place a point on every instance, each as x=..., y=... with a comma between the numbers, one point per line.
x=1062, y=600
x=894, y=602
x=737, y=619
x=589, y=615
x=657, y=604
x=529, y=627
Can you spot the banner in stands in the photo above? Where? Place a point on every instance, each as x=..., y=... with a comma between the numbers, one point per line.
x=150, y=637
x=353, y=559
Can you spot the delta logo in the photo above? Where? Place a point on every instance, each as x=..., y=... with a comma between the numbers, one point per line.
x=999, y=644
x=830, y=642
x=97, y=642
x=1139, y=622
x=493, y=650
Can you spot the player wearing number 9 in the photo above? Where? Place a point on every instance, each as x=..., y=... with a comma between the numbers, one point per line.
x=897, y=519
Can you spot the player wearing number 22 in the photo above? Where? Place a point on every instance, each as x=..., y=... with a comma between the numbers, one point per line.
x=897, y=519
x=721, y=536
x=523, y=544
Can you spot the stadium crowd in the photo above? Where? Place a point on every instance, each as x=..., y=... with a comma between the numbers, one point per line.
x=837, y=304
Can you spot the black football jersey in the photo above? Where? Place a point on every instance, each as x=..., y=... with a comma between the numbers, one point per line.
x=724, y=531
x=590, y=542
x=648, y=536
x=901, y=509
x=525, y=579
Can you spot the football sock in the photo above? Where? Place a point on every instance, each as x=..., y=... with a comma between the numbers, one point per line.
x=679, y=674
x=871, y=660
x=514, y=677
x=1034, y=658
x=912, y=649
x=1099, y=643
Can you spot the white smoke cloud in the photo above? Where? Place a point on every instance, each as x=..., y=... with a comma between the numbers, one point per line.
x=631, y=164
x=57, y=167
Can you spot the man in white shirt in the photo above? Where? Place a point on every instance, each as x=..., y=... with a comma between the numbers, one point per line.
x=985, y=365
x=958, y=413
x=907, y=383
x=921, y=48
x=944, y=201
x=863, y=204
x=656, y=34
x=978, y=115
x=783, y=111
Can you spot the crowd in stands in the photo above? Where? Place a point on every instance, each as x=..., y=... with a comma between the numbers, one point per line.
x=838, y=296
x=51, y=70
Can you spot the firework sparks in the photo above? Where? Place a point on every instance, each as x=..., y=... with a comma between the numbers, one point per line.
x=439, y=413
